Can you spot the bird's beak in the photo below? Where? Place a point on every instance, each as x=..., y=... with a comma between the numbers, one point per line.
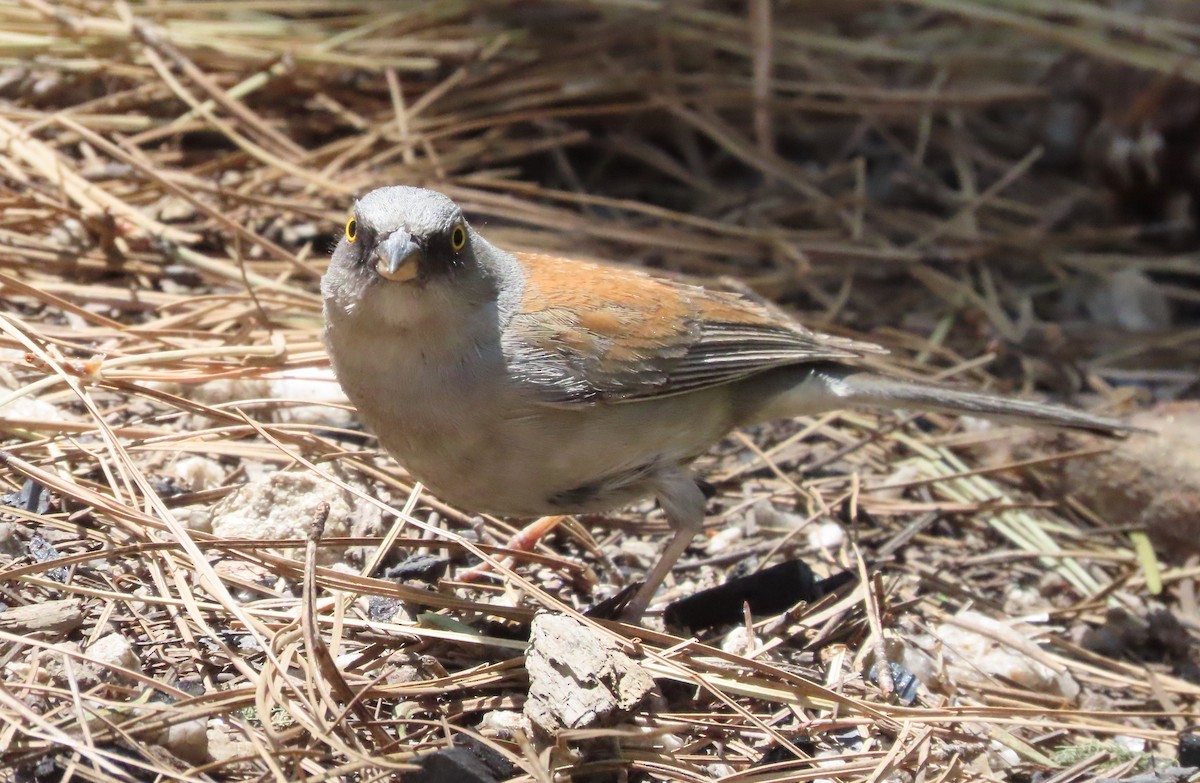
x=398, y=257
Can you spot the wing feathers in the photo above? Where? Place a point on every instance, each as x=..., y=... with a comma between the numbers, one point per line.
x=586, y=333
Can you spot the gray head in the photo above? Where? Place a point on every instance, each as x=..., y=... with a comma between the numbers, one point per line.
x=404, y=235
x=408, y=255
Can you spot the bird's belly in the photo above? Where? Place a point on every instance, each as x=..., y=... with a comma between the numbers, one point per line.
x=430, y=412
x=481, y=445
x=479, y=442
x=515, y=463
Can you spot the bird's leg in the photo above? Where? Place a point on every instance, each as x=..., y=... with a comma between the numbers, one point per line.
x=683, y=503
x=524, y=541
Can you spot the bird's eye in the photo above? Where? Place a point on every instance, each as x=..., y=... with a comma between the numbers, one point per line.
x=351, y=229
x=458, y=238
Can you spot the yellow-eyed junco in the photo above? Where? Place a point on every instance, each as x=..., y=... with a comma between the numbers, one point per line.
x=524, y=384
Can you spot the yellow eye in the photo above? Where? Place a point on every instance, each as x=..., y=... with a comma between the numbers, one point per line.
x=351, y=229
x=458, y=239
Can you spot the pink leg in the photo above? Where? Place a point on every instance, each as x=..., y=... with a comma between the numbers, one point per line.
x=683, y=503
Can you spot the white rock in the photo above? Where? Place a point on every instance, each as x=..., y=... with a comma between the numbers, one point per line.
x=718, y=770
x=504, y=724
x=644, y=551
x=669, y=742
x=108, y=651
x=71, y=234
x=194, y=518
x=1001, y=757
x=228, y=390
x=739, y=641
x=11, y=361
x=1023, y=600
x=316, y=385
x=172, y=209
x=34, y=409
x=195, y=473
x=284, y=504
x=1131, y=744
x=826, y=535
x=977, y=647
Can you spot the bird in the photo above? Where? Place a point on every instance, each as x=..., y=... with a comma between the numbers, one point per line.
x=526, y=384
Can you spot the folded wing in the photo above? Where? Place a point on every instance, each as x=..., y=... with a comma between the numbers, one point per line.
x=615, y=335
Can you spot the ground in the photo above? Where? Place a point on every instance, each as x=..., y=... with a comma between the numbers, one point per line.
x=1001, y=197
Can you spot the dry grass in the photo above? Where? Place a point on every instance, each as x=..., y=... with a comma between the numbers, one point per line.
x=173, y=174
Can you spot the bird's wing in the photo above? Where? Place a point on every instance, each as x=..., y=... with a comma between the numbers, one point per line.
x=587, y=333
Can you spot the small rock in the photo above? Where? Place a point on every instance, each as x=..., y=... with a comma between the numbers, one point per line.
x=172, y=209
x=719, y=770
x=316, y=385
x=504, y=724
x=71, y=235
x=826, y=536
x=194, y=518
x=32, y=497
x=108, y=651
x=187, y=741
x=977, y=647
x=739, y=641
x=43, y=551
x=578, y=678
x=381, y=609
x=228, y=390
x=284, y=504
x=1024, y=600
x=299, y=233
x=1189, y=748
x=404, y=674
x=33, y=409
x=638, y=550
x=195, y=473
x=1001, y=757
x=1130, y=744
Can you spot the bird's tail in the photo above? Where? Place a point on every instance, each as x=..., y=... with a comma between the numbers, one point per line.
x=833, y=386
